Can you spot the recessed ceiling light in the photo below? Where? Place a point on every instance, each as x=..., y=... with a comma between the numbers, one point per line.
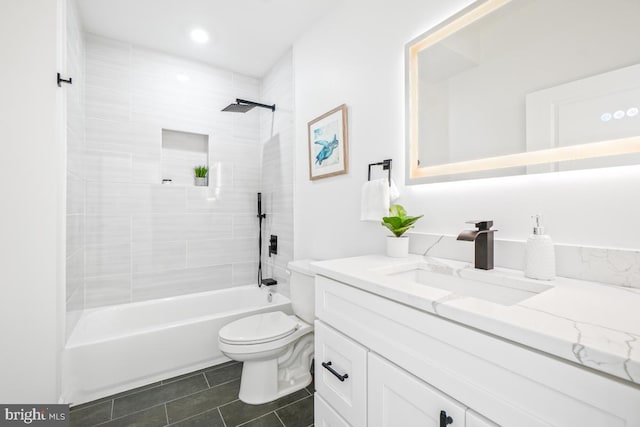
x=182, y=77
x=199, y=35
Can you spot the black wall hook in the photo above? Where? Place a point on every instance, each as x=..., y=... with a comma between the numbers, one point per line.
x=61, y=80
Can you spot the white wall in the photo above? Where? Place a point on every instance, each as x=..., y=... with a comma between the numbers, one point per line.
x=277, y=168
x=146, y=240
x=32, y=215
x=355, y=56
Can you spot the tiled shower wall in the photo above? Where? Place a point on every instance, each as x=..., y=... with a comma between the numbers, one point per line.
x=75, y=171
x=276, y=130
x=145, y=240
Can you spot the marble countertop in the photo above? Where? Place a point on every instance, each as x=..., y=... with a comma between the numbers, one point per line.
x=594, y=325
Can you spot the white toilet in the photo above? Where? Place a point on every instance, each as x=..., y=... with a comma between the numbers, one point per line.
x=276, y=348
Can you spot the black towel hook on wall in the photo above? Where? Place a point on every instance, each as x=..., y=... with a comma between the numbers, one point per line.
x=61, y=80
x=386, y=165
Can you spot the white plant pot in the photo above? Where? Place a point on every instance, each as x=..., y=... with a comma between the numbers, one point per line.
x=200, y=181
x=397, y=247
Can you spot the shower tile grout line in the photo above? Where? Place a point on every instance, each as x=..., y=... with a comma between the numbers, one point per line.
x=180, y=378
x=77, y=251
x=224, y=423
x=296, y=401
x=226, y=382
x=166, y=413
x=188, y=395
x=279, y=419
x=216, y=408
x=207, y=410
x=124, y=416
x=253, y=419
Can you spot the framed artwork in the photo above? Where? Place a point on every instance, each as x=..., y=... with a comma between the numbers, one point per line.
x=328, y=145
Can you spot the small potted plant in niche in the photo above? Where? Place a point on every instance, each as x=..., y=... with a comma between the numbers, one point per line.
x=398, y=222
x=200, y=178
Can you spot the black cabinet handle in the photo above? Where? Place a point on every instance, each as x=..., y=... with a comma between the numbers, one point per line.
x=327, y=366
x=445, y=420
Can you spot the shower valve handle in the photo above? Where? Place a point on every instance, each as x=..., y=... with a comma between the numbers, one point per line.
x=273, y=245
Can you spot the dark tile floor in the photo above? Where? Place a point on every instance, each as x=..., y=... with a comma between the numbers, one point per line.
x=207, y=398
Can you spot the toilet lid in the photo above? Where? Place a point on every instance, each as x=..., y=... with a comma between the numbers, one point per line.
x=258, y=328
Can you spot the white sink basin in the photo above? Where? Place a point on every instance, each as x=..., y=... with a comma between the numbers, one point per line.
x=497, y=289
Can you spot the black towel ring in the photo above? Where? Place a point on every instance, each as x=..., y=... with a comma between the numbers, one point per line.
x=386, y=165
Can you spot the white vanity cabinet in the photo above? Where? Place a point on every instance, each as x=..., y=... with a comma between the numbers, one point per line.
x=404, y=366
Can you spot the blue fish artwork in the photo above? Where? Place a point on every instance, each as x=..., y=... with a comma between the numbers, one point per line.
x=327, y=149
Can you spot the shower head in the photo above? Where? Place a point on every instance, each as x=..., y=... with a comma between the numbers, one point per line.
x=242, y=106
x=238, y=108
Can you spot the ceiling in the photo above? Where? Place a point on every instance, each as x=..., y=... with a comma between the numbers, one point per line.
x=247, y=36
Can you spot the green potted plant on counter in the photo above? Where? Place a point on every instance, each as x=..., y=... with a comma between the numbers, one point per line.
x=398, y=222
x=200, y=178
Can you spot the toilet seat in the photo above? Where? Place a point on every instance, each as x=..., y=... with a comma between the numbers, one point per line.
x=258, y=329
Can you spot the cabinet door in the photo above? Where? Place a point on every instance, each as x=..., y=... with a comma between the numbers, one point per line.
x=324, y=415
x=341, y=374
x=397, y=398
x=476, y=420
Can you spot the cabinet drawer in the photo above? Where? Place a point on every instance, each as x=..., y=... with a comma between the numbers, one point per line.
x=325, y=416
x=397, y=398
x=341, y=373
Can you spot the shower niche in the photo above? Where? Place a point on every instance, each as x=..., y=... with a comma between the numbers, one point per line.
x=182, y=152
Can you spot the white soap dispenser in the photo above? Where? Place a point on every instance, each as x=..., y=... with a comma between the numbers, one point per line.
x=540, y=260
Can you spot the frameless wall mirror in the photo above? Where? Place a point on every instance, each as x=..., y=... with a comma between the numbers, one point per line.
x=524, y=86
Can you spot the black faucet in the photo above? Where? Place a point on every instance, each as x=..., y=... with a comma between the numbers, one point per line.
x=483, y=242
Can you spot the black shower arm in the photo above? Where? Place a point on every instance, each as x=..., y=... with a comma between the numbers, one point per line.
x=257, y=104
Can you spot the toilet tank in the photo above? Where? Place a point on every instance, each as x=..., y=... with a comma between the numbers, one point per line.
x=302, y=287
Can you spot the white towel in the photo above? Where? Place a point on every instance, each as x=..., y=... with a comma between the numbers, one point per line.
x=394, y=193
x=376, y=197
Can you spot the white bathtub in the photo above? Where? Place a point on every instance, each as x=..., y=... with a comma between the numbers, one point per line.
x=120, y=347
